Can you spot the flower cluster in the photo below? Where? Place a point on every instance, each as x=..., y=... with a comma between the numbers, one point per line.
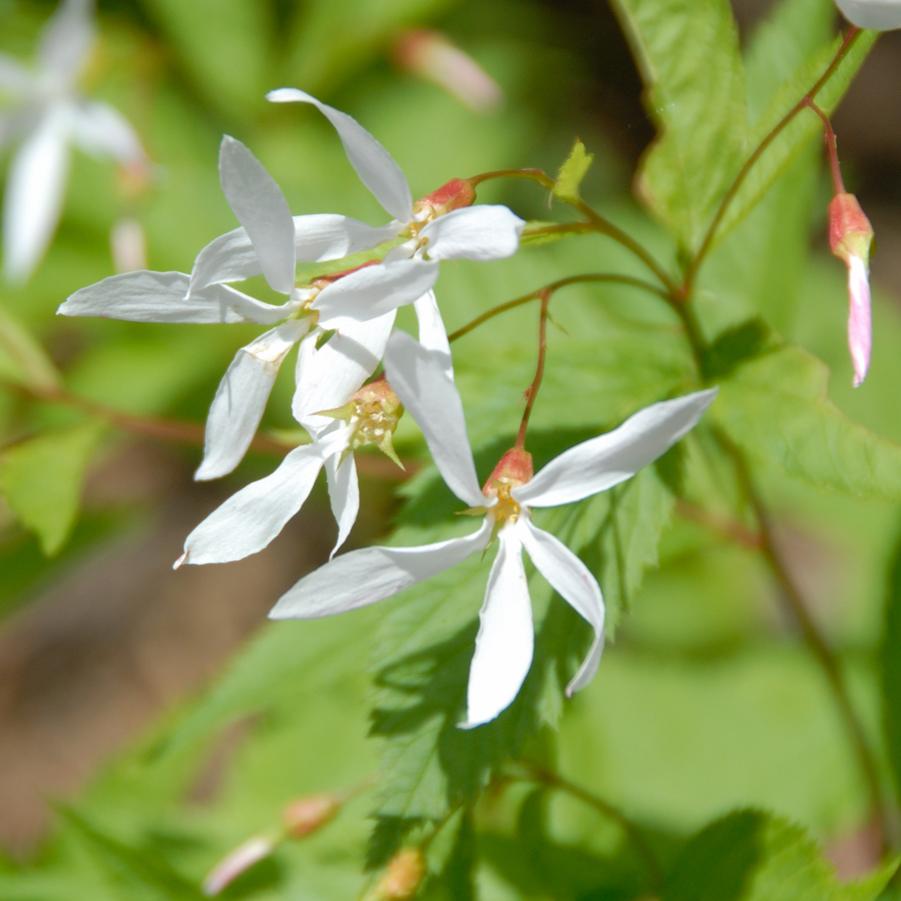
x=343, y=326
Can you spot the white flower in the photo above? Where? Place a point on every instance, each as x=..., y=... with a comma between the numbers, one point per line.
x=504, y=645
x=359, y=306
x=250, y=519
x=883, y=15
x=47, y=115
x=440, y=226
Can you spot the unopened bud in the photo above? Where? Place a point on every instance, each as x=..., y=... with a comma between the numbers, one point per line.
x=850, y=232
x=305, y=815
x=453, y=195
x=237, y=862
x=402, y=877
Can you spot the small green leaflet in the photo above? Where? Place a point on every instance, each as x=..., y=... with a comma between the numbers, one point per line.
x=571, y=173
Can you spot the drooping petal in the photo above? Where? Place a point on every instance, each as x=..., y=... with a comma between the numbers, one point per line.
x=570, y=578
x=241, y=398
x=505, y=641
x=474, y=233
x=373, y=164
x=101, y=131
x=231, y=257
x=66, y=39
x=419, y=378
x=328, y=375
x=261, y=208
x=368, y=575
x=883, y=15
x=859, y=325
x=375, y=290
x=146, y=296
x=34, y=194
x=432, y=333
x=250, y=519
x=343, y=494
x=600, y=463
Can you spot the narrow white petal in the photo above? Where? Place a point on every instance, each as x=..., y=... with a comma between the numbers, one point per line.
x=343, y=494
x=570, y=578
x=505, y=641
x=373, y=164
x=883, y=15
x=241, y=399
x=101, y=131
x=146, y=296
x=419, y=378
x=327, y=376
x=231, y=257
x=261, y=208
x=34, y=194
x=363, y=577
x=252, y=517
x=432, y=333
x=66, y=39
x=474, y=233
x=600, y=463
x=375, y=290
x=14, y=77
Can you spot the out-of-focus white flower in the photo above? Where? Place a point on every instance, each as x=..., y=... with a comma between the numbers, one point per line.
x=47, y=115
x=354, y=310
x=444, y=225
x=250, y=519
x=237, y=862
x=850, y=237
x=504, y=645
x=883, y=15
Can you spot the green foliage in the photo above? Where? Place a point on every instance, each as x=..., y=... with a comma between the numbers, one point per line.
x=574, y=169
x=754, y=856
x=41, y=480
x=891, y=667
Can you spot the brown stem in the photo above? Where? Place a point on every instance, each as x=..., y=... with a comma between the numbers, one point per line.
x=850, y=37
x=831, y=142
x=730, y=529
x=533, y=389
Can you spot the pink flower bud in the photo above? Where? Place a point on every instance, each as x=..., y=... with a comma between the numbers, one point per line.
x=452, y=195
x=402, y=877
x=850, y=237
x=305, y=815
x=514, y=468
x=237, y=862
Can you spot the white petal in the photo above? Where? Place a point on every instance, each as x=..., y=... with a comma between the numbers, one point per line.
x=328, y=376
x=432, y=333
x=146, y=296
x=343, y=494
x=375, y=290
x=261, y=208
x=373, y=164
x=570, y=578
x=371, y=574
x=505, y=641
x=66, y=39
x=609, y=459
x=14, y=77
x=883, y=15
x=252, y=517
x=418, y=376
x=474, y=233
x=241, y=399
x=231, y=256
x=101, y=131
x=34, y=193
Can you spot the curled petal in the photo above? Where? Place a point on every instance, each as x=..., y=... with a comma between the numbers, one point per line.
x=600, y=463
x=237, y=862
x=373, y=164
x=261, y=208
x=34, y=193
x=241, y=398
x=420, y=380
x=859, y=325
x=883, y=15
x=146, y=296
x=231, y=257
x=432, y=333
x=66, y=39
x=570, y=578
x=101, y=131
x=505, y=641
x=343, y=495
x=363, y=577
x=474, y=233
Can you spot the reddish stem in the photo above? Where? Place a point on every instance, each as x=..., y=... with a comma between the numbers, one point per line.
x=532, y=390
x=831, y=142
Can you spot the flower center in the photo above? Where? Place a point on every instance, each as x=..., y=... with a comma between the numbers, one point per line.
x=372, y=420
x=507, y=509
x=513, y=469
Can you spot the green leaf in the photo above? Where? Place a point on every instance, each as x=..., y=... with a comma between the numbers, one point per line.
x=22, y=358
x=755, y=856
x=41, y=480
x=891, y=666
x=776, y=408
x=688, y=53
x=571, y=173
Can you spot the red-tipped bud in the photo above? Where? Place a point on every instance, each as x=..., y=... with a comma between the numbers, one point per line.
x=514, y=468
x=403, y=876
x=453, y=195
x=850, y=232
x=305, y=815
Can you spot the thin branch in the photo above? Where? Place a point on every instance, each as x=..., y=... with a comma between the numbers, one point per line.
x=831, y=142
x=535, y=386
